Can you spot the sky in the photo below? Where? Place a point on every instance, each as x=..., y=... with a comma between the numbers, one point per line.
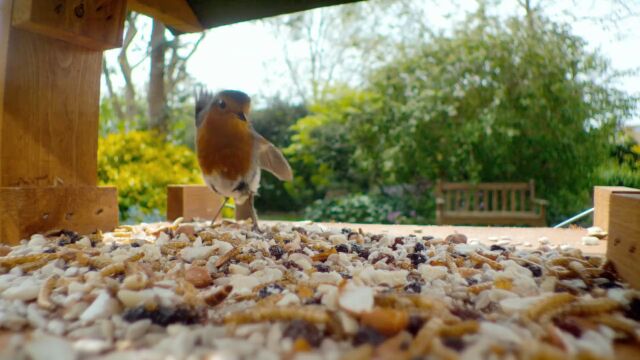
x=248, y=56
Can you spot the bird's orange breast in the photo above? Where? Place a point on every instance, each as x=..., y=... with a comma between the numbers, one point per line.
x=225, y=146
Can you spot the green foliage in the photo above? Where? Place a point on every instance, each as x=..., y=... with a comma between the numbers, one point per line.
x=322, y=152
x=494, y=101
x=623, y=169
x=141, y=164
x=274, y=123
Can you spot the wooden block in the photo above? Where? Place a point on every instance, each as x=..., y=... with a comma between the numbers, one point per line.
x=173, y=13
x=95, y=24
x=623, y=247
x=601, y=203
x=50, y=112
x=28, y=210
x=192, y=201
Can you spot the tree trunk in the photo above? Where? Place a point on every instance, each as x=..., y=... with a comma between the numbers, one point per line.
x=157, y=101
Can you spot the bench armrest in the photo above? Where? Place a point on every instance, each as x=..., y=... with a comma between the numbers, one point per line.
x=540, y=202
x=440, y=201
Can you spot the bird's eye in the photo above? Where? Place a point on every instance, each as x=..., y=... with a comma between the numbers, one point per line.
x=222, y=104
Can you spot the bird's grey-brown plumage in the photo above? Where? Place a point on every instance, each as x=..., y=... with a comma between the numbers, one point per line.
x=231, y=153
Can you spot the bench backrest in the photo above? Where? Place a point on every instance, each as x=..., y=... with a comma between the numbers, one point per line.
x=486, y=197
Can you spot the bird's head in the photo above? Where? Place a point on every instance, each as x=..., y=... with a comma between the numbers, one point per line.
x=231, y=103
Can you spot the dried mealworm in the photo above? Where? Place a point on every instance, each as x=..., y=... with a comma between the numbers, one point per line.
x=324, y=255
x=478, y=288
x=260, y=314
x=363, y=352
x=617, y=323
x=36, y=264
x=592, y=306
x=135, y=257
x=460, y=329
x=422, y=343
x=113, y=269
x=218, y=296
x=227, y=257
x=13, y=261
x=44, y=294
x=474, y=256
x=451, y=264
x=548, y=304
x=466, y=272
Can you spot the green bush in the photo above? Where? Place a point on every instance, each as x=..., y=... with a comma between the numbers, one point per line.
x=368, y=208
x=141, y=164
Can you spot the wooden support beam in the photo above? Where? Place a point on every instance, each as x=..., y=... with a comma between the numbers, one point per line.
x=173, y=13
x=28, y=210
x=192, y=201
x=602, y=203
x=95, y=24
x=49, y=108
x=623, y=247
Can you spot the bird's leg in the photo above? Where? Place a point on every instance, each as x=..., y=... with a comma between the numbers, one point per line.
x=254, y=218
x=219, y=211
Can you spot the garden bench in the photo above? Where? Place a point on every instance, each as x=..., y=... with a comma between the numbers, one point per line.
x=489, y=204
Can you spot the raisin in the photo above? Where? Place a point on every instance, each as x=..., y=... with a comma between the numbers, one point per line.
x=471, y=281
x=303, y=329
x=270, y=290
x=466, y=314
x=427, y=238
x=292, y=265
x=342, y=248
x=346, y=231
x=396, y=242
x=367, y=335
x=413, y=288
x=417, y=259
x=163, y=316
x=356, y=248
x=322, y=268
x=609, y=285
x=570, y=326
x=345, y=275
x=633, y=311
x=415, y=324
x=453, y=342
x=135, y=245
x=49, y=250
x=497, y=248
x=276, y=251
x=364, y=254
x=535, y=269
x=456, y=239
x=419, y=247
x=300, y=230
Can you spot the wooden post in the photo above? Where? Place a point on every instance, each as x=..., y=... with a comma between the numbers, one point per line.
x=602, y=203
x=623, y=246
x=192, y=202
x=50, y=68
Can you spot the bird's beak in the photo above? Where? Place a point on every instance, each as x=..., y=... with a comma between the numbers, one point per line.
x=242, y=116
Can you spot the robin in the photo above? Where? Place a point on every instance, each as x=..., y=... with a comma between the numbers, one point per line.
x=231, y=153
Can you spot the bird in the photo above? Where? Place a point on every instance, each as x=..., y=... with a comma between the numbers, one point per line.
x=231, y=154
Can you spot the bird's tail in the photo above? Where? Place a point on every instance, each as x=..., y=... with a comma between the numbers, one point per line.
x=204, y=98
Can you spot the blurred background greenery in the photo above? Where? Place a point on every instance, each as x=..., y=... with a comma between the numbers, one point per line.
x=492, y=98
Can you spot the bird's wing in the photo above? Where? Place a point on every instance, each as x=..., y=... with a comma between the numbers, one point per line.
x=271, y=159
x=204, y=98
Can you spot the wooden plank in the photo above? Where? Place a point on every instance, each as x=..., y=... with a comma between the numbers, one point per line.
x=602, y=203
x=192, y=201
x=503, y=207
x=173, y=13
x=50, y=113
x=95, y=24
x=523, y=203
x=28, y=210
x=484, y=186
x=623, y=246
x=513, y=200
x=5, y=28
x=495, y=206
